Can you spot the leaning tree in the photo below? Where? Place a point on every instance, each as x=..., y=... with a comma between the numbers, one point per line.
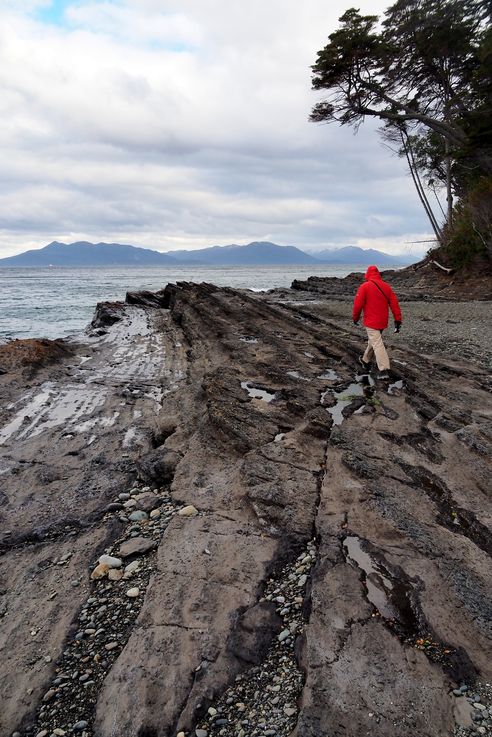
x=425, y=73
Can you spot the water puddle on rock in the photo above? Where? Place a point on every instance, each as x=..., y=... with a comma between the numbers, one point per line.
x=344, y=397
x=396, y=387
x=395, y=599
x=379, y=585
x=297, y=375
x=329, y=374
x=32, y=407
x=257, y=392
x=248, y=339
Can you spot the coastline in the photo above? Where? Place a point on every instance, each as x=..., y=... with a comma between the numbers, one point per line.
x=220, y=436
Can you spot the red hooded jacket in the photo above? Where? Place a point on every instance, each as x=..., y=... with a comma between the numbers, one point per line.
x=373, y=298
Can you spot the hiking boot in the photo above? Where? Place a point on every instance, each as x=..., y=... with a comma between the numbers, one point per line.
x=366, y=365
x=383, y=376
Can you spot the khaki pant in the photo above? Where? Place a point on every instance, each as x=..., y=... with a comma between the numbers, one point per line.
x=375, y=348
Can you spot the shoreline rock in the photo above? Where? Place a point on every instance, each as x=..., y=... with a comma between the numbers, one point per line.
x=394, y=497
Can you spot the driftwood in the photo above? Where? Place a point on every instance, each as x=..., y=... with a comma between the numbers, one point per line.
x=440, y=266
x=427, y=262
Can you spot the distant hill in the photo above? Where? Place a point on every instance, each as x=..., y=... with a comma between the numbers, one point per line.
x=83, y=253
x=258, y=253
x=356, y=255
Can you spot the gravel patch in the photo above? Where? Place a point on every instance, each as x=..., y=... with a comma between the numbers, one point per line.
x=104, y=624
x=265, y=700
x=454, y=329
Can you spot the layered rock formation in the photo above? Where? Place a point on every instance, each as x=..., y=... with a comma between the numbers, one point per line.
x=308, y=553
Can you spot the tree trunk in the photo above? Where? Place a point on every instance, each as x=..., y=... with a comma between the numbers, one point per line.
x=449, y=193
x=418, y=185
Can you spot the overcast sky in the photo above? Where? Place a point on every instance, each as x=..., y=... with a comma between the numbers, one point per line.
x=183, y=124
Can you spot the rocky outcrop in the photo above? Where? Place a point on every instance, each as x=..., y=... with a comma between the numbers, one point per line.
x=26, y=356
x=147, y=299
x=422, y=281
x=301, y=551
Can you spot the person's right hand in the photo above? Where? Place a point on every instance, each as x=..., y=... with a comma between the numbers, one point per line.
x=397, y=326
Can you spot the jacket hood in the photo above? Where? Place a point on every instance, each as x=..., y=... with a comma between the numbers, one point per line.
x=372, y=273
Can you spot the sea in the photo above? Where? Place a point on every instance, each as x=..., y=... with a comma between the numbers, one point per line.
x=59, y=301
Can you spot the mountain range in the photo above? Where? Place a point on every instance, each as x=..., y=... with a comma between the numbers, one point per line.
x=258, y=253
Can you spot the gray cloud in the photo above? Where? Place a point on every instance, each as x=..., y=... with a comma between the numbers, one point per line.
x=180, y=125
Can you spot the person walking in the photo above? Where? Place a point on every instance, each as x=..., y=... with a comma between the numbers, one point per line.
x=375, y=298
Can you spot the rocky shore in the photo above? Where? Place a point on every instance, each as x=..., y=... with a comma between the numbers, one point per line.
x=212, y=524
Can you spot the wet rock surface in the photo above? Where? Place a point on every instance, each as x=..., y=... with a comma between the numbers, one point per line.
x=212, y=524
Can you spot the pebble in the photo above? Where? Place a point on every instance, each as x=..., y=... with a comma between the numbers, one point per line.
x=189, y=511
x=100, y=571
x=263, y=701
x=110, y=561
x=124, y=496
x=114, y=507
x=181, y=734
x=138, y=516
x=136, y=546
x=103, y=623
x=201, y=732
x=131, y=568
x=148, y=501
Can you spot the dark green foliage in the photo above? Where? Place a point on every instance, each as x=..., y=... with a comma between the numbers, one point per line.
x=471, y=233
x=426, y=73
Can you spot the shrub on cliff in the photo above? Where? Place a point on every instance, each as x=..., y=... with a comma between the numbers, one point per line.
x=470, y=235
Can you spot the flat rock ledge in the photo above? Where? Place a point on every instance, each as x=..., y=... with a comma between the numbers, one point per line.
x=212, y=524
